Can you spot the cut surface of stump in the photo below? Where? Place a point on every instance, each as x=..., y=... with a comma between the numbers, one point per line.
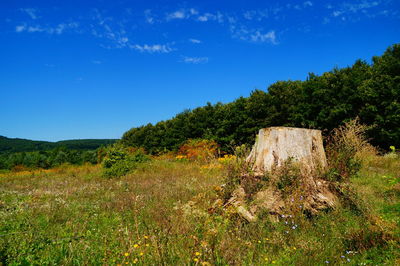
x=276, y=145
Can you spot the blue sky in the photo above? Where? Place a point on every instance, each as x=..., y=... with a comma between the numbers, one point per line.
x=94, y=69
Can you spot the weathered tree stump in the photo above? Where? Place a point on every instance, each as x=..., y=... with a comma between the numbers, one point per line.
x=275, y=149
x=276, y=145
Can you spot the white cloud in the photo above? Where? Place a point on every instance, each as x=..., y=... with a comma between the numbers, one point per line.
x=195, y=60
x=195, y=15
x=58, y=29
x=253, y=35
x=20, y=28
x=96, y=62
x=257, y=36
x=35, y=29
x=180, y=14
x=194, y=41
x=353, y=11
x=155, y=48
x=148, y=16
x=30, y=12
x=307, y=3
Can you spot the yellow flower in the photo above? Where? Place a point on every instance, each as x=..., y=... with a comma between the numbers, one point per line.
x=147, y=245
x=259, y=241
x=126, y=254
x=146, y=237
x=126, y=262
x=273, y=262
x=141, y=254
x=266, y=259
x=197, y=253
x=196, y=259
x=294, y=248
x=136, y=246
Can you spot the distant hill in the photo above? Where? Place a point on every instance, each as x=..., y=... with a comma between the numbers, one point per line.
x=10, y=145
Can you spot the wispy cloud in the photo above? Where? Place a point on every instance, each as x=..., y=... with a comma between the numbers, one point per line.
x=97, y=62
x=195, y=60
x=194, y=41
x=182, y=14
x=258, y=36
x=149, y=17
x=194, y=14
x=155, y=48
x=354, y=11
x=31, y=12
x=253, y=35
x=57, y=29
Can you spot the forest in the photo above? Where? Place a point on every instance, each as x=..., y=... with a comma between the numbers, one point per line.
x=369, y=91
x=18, y=154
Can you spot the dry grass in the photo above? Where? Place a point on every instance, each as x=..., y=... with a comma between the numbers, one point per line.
x=159, y=215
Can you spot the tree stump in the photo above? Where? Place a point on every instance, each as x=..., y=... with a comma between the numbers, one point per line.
x=307, y=190
x=276, y=145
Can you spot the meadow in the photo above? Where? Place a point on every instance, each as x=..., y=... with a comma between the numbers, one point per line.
x=160, y=214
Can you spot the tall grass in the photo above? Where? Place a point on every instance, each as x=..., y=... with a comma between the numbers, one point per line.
x=165, y=212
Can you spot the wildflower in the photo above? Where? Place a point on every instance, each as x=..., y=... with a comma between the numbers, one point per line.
x=266, y=259
x=196, y=259
x=273, y=262
x=126, y=254
x=348, y=259
x=197, y=253
x=141, y=253
x=146, y=237
x=259, y=241
x=294, y=248
x=126, y=262
x=327, y=261
x=342, y=257
x=293, y=227
x=147, y=245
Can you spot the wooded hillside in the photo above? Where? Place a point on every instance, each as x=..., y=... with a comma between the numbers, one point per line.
x=368, y=91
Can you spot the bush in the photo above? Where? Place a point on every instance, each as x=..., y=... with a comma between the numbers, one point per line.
x=345, y=150
x=198, y=149
x=120, y=160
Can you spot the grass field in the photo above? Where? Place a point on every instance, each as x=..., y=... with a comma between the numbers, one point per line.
x=158, y=215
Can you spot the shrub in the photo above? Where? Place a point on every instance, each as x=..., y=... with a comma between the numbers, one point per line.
x=198, y=149
x=120, y=160
x=346, y=148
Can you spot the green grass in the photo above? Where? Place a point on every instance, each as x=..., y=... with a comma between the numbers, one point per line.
x=159, y=214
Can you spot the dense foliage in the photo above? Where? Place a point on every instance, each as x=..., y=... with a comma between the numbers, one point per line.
x=48, y=159
x=11, y=145
x=368, y=91
x=119, y=160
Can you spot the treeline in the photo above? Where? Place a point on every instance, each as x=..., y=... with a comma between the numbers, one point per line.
x=12, y=145
x=368, y=91
x=50, y=158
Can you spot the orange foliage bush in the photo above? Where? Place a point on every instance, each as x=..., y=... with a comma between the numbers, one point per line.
x=199, y=149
